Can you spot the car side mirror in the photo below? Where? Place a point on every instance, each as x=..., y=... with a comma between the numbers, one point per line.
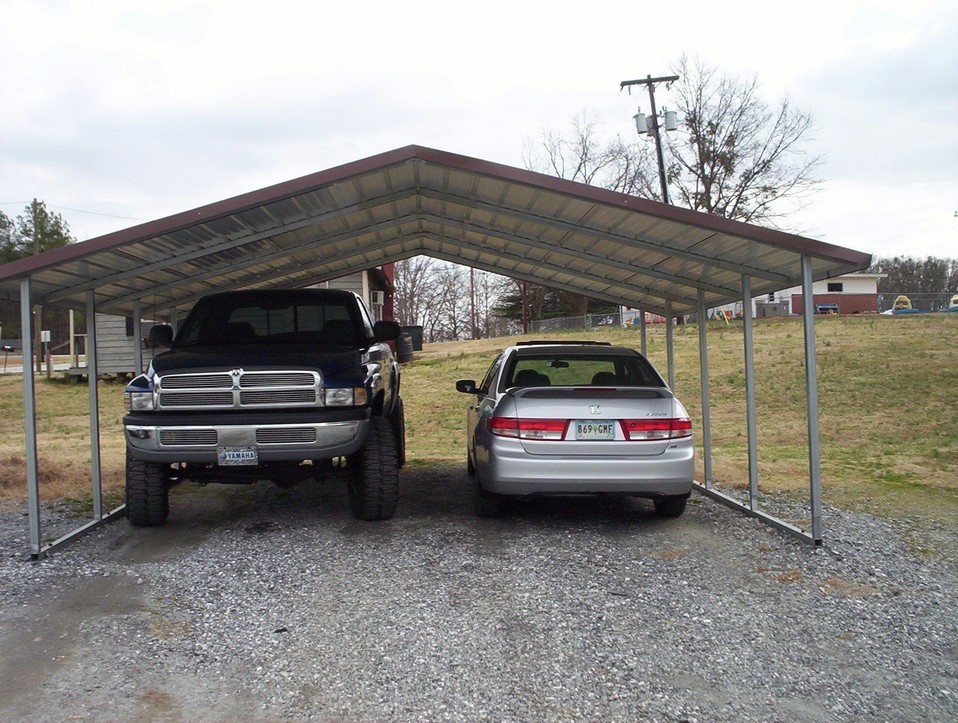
x=386, y=330
x=467, y=386
x=161, y=336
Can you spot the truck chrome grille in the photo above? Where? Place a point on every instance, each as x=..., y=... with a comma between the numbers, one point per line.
x=201, y=398
x=238, y=389
x=188, y=437
x=276, y=379
x=278, y=396
x=290, y=435
x=197, y=381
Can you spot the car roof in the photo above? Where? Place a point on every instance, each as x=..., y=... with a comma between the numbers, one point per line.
x=572, y=348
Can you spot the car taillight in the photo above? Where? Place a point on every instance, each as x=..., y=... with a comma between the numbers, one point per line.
x=528, y=428
x=639, y=430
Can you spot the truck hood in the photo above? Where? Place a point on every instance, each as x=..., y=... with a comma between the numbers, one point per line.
x=342, y=365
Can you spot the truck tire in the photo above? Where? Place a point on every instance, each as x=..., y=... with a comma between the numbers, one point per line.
x=373, y=484
x=398, y=421
x=147, y=492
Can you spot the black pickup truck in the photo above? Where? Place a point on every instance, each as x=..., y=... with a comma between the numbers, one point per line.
x=268, y=384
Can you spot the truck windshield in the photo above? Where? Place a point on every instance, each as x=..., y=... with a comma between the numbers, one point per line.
x=270, y=320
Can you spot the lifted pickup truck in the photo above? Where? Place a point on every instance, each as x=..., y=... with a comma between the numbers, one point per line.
x=268, y=384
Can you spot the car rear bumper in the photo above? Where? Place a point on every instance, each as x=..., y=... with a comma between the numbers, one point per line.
x=510, y=470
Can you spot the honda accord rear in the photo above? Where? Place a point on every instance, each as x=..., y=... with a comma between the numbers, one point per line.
x=577, y=418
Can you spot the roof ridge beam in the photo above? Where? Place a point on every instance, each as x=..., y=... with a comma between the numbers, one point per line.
x=584, y=255
x=451, y=258
x=229, y=244
x=571, y=227
x=318, y=243
x=559, y=269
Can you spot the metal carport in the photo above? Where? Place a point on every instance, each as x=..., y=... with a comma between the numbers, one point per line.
x=417, y=200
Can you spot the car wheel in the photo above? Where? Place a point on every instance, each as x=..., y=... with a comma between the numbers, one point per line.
x=470, y=465
x=373, y=485
x=671, y=506
x=147, y=492
x=488, y=504
x=398, y=421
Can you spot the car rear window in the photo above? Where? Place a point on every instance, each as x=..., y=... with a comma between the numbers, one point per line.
x=541, y=370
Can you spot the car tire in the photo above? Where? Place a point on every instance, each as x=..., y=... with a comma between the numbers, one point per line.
x=398, y=421
x=671, y=506
x=488, y=504
x=373, y=485
x=470, y=465
x=147, y=492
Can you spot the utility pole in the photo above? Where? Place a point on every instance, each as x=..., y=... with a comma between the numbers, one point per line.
x=37, y=310
x=650, y=83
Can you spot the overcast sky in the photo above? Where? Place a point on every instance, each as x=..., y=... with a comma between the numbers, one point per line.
x=116, y=112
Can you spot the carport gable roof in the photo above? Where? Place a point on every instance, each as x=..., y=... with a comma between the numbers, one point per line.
x=417, y=200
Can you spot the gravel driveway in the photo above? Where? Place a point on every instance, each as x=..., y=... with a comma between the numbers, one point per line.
x=256, y=603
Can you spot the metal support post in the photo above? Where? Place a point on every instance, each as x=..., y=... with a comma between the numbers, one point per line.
x=643, y=341
x=668, y=344
x=30, y=420
x=811, y=388
x=91, y=367
x=704, y=370
x=750, y=393
x=137, y=339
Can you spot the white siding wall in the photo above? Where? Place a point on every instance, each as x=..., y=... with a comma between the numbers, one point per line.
x=851, y=284
x=114, y=348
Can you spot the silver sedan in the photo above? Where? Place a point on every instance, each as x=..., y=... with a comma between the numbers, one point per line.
x=577, y=418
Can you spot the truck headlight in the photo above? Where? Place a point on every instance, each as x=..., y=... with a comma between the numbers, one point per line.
x=345, y=397
x=138, y=401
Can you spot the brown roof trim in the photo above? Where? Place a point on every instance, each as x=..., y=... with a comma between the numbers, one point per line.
x=646, y=206
x=203, y=214
x=209, y=212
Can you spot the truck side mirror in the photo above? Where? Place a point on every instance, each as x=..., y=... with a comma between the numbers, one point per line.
x=386, y=330
x=161, y=336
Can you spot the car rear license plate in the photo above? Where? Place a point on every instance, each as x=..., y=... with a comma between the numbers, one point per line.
x=236, y=456
x=589, y=430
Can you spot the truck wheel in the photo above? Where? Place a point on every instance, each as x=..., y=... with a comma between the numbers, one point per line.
x=398, y=421
x=374, y=475
x=147, y=492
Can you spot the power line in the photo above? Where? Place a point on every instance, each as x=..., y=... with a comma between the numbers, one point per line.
x=75, y=210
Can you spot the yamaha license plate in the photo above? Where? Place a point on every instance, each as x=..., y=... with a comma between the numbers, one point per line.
x=236, y=456
x=592, y=431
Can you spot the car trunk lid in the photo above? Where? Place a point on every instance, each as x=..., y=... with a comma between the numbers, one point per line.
x=594, y=420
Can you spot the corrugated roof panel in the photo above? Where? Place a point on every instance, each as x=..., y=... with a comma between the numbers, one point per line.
x=415, y=199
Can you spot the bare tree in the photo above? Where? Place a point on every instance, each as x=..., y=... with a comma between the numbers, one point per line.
x=436, y=295
x=583, y=155
x=412, y=289
x=737, y=156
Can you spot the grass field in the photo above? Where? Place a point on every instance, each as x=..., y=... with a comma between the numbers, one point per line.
x=888, y=391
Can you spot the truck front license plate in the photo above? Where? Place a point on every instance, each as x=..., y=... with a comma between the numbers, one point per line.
x=236, y=456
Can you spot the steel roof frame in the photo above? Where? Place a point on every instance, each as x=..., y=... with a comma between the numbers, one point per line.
x=384, y=208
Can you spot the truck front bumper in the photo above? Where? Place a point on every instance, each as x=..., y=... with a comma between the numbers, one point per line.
x=276, y=438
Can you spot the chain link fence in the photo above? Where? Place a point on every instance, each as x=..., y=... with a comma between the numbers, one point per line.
x=589, y=321
x=924, y=301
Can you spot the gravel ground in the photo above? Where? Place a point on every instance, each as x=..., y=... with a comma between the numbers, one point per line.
x=260, y=604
